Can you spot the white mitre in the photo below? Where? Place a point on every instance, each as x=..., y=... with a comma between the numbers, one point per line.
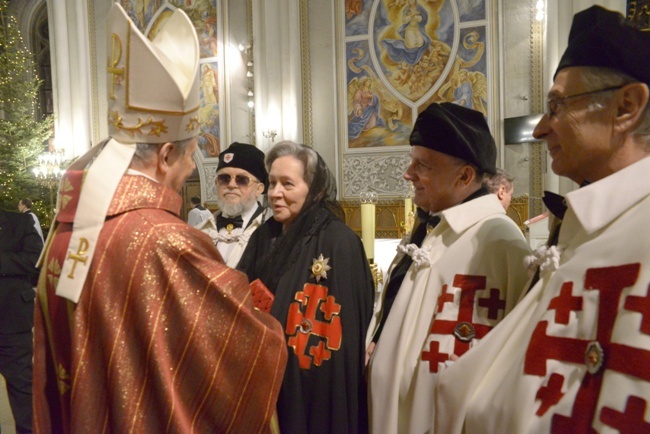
x=153, y=97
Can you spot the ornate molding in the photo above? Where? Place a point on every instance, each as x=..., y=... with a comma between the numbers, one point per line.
x=305, y=73
x=382, y=174
x=537, y=160
x=249, y=30
x=209, y=190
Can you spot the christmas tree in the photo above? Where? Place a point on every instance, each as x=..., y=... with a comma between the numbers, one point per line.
x=21, y=134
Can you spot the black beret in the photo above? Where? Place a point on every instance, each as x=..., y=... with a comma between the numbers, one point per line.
x=247, y=157
x=602, y=38
x=456, y=131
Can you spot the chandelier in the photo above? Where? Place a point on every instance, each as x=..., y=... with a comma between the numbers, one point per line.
x=48, y=170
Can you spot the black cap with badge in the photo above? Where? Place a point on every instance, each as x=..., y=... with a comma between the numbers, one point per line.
x=247, y=157
x=457, y=131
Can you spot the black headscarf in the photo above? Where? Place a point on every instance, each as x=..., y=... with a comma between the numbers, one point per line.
x=270, y=252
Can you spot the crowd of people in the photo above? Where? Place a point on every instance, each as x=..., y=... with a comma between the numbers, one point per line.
x=262, y=317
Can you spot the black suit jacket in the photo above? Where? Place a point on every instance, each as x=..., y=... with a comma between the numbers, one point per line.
x=20, y=247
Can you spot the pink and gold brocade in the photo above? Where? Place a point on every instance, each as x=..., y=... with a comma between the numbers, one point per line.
x=164, y=338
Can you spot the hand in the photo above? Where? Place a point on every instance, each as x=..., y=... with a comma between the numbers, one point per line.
x=369, y=351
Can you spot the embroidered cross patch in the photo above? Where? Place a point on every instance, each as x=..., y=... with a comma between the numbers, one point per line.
x=303, y=323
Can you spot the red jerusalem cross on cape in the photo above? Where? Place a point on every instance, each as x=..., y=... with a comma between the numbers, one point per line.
x=302, y=320
x=465, y=329
x=602, y=356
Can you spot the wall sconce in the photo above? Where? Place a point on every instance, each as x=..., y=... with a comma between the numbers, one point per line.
x=270, y=134
x=539, y=10
x=247, y=50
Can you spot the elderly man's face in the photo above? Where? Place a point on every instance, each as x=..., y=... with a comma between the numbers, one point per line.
x=579, y=135
x=234, y=198
x=435, y=178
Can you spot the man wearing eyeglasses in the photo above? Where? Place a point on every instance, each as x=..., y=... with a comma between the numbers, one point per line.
x=241, y=179
x=573, y=355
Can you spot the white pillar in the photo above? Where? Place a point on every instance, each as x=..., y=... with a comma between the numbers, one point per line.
x=69, y=48
x=278, y=81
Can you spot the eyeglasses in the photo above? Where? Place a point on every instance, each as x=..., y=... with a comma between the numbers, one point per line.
x=241, y=180
x=553, y=103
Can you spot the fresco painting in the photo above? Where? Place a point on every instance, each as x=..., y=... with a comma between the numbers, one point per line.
x=401, y=55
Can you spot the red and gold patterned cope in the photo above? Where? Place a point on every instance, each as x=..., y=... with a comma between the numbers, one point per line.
x=165, y=337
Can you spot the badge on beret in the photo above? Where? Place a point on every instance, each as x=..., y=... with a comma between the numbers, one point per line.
x=228, y=157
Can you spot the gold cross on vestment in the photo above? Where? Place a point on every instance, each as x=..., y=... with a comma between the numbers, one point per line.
x=80, y=256
x=116, y=55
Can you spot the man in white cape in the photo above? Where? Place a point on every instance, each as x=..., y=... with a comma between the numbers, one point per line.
x=573, y=356
x=460, y=275
x=241, y=179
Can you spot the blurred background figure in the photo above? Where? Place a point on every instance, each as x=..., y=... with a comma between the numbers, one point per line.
x=25, y=206
x=501, y=184
x=198, y=213
x=20, y=247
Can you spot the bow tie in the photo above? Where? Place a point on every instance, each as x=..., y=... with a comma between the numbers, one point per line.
x=555, y=204
x=229, y=223
x=431, y=221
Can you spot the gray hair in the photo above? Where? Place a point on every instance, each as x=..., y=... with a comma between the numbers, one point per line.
x=305, y=154
x=601, y=78
x=144, y=151
x=493, y=182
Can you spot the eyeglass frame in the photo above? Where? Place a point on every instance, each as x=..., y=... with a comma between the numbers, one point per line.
x=237, y=178
x=559, y=100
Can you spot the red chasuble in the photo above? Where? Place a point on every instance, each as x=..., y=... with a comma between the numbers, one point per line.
x=164, y=338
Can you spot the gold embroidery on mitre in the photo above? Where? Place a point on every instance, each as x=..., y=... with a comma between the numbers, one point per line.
x=156, y=127
x=116, y=56
x=193, y=124
x=62, y=379
x=79, y=256
x=320, y=267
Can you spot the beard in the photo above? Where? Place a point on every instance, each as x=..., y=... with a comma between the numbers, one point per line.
x=229, y=209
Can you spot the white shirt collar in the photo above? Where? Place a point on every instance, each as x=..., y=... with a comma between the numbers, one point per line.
x=597, y=205
x=138, y=173
x=465, y=215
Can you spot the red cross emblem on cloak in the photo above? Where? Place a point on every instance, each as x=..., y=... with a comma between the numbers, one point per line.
x=463, y=326
x=599, y=356
x=315, y=335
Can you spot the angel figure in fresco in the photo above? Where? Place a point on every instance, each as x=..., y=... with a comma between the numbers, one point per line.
x=465, y=87
x=414, y=41
x=208, y=36
x=209, y=139
x=364, y=106
x=353, y=8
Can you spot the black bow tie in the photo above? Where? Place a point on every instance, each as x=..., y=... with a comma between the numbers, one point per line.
x=555, y=204
x=229, y=223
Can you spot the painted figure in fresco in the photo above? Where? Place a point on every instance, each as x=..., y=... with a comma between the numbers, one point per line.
x=208, y=38
x=353, y=8
x=209, y=85
x=365, y=107
x=209, y=140
x=415, y=42
x=463, y=91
